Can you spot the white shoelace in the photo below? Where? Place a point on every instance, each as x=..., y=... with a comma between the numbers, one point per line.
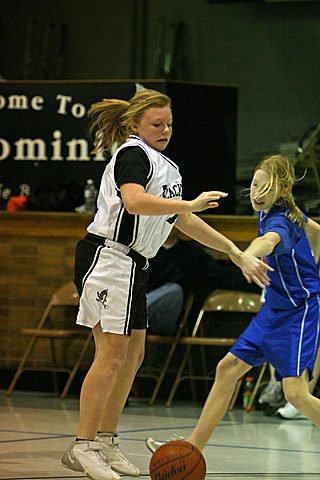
x=96, y=452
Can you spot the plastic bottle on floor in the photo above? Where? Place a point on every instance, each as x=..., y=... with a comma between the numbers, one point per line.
x=247, y=392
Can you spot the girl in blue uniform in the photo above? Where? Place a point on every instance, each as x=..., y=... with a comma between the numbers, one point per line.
x=286, y=330
x=139, y=202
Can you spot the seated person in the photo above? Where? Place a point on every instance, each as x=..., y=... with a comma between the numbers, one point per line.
x=180, y=267
x=164, y=308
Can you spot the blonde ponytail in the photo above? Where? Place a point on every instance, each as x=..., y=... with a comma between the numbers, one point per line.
x=107, y=123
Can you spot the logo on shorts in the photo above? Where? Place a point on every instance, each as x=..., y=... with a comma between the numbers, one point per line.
x=102, y=298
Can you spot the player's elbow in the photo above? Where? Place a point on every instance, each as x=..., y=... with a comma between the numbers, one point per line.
x=131, y=208
x=269, y=241
x=269, y=247
x=132, y=205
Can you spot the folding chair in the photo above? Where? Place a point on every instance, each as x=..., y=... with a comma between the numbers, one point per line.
x=174, y=342
x=67, y=295
x=217, y=301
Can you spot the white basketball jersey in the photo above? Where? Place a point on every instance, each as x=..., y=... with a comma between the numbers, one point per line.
x=145, y=234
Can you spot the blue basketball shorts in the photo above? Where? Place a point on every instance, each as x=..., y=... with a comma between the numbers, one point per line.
x=288, y=339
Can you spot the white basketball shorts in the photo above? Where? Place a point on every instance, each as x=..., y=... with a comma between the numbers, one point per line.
x=112, y=288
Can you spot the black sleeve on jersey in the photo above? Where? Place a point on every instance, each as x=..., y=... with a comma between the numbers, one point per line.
x=132, y=166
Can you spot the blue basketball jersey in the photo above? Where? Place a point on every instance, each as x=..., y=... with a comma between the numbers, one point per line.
x=296, y=275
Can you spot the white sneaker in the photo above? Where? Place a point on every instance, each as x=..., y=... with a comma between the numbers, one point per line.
x=154, y=444
x=290, y=412
x=272, y=394
x=86, y=457
x=115, y=456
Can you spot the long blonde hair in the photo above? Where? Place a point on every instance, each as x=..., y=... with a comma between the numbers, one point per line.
x=112, y=118
x=281, y=177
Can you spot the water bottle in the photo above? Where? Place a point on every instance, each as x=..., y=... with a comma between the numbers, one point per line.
x=90, y=196
x=247, y=392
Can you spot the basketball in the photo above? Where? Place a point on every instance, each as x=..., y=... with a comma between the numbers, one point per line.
x=177, y=460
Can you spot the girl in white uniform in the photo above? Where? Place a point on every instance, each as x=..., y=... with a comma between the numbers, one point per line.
x=140, y=200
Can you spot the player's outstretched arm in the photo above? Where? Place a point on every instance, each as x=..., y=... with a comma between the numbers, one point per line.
x=263, y=246
x=196, y=228
x=138, y=202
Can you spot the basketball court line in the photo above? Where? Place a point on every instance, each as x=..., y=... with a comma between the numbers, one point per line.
x=270, y=451
x=52, y=436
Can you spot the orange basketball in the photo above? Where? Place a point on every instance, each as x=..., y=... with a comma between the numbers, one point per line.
x=177, y=460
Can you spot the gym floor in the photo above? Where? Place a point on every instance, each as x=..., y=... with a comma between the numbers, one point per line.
x=35, y=429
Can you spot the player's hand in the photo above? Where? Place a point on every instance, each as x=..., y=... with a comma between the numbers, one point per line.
x=254, y=269
x=206, y=200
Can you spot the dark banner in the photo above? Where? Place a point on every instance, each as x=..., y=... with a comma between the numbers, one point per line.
x=44, y=139
x=44, y=133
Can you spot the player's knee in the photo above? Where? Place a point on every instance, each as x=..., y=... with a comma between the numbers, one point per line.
x=111, y=359
x=225, y=368
x=116, y=362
